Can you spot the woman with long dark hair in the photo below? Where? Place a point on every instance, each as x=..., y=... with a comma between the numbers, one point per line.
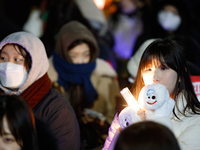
x=17, y=124
x=19, y=129
x=163, y=62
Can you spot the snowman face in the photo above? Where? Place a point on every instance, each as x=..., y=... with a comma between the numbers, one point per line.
x=127, y=117
x=126, y=121
x=151, y=97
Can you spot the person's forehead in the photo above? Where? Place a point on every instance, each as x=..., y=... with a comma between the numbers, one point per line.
x=154, y=61
x=11, y=49
x=171, y=8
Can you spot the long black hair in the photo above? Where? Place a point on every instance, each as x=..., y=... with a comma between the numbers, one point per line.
x=166, y=51
x=20, y=121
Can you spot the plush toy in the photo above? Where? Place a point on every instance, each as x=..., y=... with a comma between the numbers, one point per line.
x=155, y=99
x=128, y=116
x=156, y=102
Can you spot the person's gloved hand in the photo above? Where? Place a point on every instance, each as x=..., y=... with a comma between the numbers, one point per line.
x=156, y=101
x=127, y=117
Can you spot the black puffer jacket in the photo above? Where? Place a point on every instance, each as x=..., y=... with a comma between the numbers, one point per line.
x=53, y=109
x=46, y=138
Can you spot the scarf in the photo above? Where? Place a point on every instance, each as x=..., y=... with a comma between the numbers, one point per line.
x=34, y=93
x=69, y=73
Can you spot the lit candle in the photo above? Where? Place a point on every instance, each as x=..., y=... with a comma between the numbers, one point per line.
x=127, y=95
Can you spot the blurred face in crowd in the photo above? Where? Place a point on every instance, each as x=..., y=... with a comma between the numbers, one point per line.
x=169, y=18
x=7, y=140
x=80, y=54
x=127, y=6
x=171, y=8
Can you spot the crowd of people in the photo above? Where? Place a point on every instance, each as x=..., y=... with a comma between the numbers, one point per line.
x=64, y=63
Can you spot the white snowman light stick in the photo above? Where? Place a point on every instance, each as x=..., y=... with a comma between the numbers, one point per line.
x=127, y=95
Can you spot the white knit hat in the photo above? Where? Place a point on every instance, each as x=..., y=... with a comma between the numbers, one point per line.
x=134, y=61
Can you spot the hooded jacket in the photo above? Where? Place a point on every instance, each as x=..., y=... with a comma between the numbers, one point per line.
x=71, y=32
x=53, y=108
x=103, y=77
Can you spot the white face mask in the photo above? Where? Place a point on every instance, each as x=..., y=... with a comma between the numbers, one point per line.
x=168, y=20
x=12, y=75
